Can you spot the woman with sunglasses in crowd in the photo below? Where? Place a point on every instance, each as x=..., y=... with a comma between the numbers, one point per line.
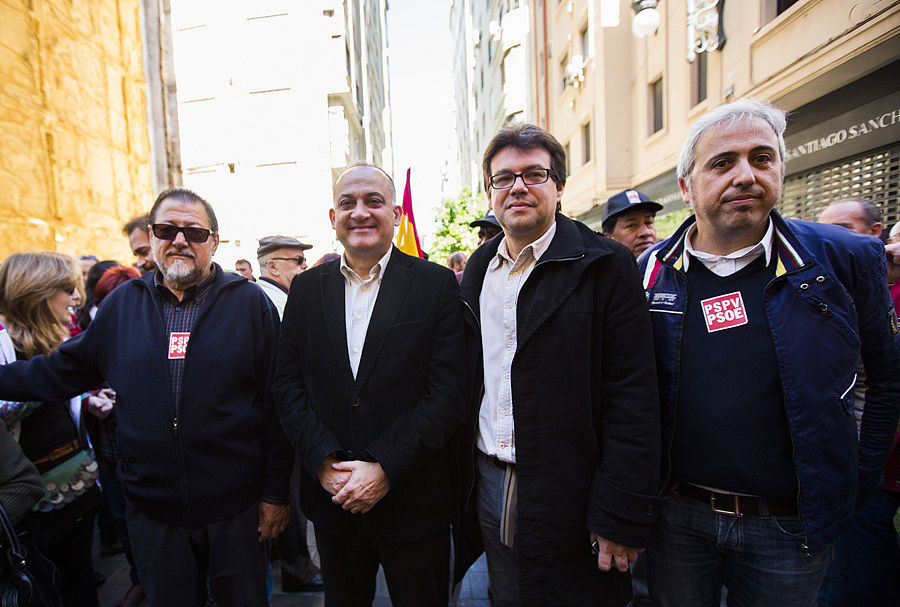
x=36, y=293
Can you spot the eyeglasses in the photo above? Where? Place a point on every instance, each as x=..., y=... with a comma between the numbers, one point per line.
x=164, y=231
x=503, y=181
x=299, y=260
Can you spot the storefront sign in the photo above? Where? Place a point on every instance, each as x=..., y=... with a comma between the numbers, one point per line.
x=870, y=126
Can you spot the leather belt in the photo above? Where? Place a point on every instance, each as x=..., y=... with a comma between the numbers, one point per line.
x=738, y=505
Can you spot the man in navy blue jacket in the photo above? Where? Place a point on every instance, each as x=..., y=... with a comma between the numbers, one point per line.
x=758, y=324
x=189, y=350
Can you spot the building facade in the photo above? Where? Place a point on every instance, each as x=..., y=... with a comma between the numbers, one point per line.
x=77, y=147
x=491, y=72
x=622, y=105
x=276, y=98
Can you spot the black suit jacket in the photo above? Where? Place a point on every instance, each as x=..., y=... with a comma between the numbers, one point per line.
x=406, y=402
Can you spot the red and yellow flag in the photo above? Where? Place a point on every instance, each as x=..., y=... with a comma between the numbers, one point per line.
x=407, y=237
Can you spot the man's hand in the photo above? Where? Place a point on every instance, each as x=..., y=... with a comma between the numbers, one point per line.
x=331, y=480
x=893, y=260
x=611, y=553
x=366, y=486
x=272, y=520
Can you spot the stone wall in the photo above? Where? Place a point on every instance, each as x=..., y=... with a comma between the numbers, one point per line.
x=74, y=148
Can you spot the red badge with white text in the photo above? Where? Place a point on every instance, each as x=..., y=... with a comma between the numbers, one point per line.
x=178, y=344
x=724, y=312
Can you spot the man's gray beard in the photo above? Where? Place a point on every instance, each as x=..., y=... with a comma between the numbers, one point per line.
x=177, y=275
x=181, y=278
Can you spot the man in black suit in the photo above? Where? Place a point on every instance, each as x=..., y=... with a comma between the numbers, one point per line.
x=370, y=387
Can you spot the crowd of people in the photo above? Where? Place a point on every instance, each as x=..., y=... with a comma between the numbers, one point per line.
x=609, y=418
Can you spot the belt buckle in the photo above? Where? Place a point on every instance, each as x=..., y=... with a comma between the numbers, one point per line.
x=735, y=512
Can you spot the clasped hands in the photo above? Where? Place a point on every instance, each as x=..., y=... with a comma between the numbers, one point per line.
x=354, y=485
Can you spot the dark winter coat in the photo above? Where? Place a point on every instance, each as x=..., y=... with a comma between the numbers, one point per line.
x=586, y=415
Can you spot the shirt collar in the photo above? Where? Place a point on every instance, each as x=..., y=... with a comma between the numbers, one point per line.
x=763, y=246
x=533, y=250
x=272, y=282
x=376, y=273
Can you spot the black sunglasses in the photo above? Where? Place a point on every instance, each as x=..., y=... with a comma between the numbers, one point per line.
x=164, y=231
x=298, y=260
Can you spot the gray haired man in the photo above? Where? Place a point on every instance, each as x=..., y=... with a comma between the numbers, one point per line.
x=759, y=322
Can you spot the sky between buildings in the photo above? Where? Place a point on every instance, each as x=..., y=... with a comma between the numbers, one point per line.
x=420, y=60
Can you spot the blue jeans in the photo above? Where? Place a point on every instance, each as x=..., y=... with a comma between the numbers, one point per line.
x=694, y=551
x=866, y=566
x=503, y=566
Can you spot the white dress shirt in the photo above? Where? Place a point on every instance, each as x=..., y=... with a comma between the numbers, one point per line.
x=359, y=300
x=726, y=265
x=498, y=305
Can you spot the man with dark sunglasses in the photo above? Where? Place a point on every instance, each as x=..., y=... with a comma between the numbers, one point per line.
x=190, y=351
x=280, y=259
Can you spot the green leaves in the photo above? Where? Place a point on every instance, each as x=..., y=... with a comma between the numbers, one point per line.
x=453, y=218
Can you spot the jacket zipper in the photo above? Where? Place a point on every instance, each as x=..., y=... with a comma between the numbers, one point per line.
x=687, y=299
x=178, y=448
x=804, y=548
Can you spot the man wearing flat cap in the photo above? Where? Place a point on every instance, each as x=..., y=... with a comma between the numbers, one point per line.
x=488, y=227
x=280, y=259
x=628, y=218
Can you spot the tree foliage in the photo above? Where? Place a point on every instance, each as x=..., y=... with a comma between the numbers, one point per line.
x=453, y=231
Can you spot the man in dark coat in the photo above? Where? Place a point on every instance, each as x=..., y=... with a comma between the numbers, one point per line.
x=190, y=351
x=370, y=387
x=564, y=414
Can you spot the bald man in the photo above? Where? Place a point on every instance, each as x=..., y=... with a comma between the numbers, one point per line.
x=858, y=214
x=370, y=388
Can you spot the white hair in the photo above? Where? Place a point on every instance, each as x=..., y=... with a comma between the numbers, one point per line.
x=730, y=112
x=895, y=231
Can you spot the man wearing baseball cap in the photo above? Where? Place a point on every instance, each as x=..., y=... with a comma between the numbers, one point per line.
x=488, y=227
x=628, y=218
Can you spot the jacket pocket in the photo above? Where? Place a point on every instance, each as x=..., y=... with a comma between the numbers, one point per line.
x=847, y=397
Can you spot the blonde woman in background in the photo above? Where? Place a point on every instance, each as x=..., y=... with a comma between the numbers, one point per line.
x=36, y=293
